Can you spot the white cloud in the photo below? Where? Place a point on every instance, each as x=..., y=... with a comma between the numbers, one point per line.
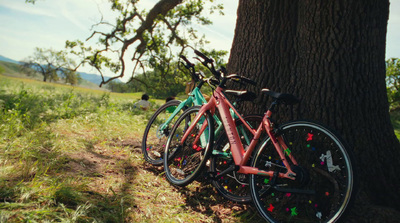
x=21, y=6
x=72, y=16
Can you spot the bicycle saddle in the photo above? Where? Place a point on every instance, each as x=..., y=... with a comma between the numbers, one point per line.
x=242, y=95
x=286, y=99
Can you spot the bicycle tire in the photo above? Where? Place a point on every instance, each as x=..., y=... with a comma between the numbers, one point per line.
x=325, y=177
x=183, y=163
x=232, y=185
x=154, y=141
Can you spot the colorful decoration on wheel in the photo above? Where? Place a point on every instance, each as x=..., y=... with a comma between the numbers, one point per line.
x=271, y=208
x=293, y=211
x=329, y=161
x=310, y=137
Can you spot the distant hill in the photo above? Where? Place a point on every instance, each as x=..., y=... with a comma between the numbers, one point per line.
x=14, y=69
x=2, y=58
x=93, y=78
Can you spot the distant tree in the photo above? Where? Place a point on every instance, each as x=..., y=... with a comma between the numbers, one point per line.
x=71, y=77
x=153, y=83
x=393, y=82
x=119, y=87
x=53, y=65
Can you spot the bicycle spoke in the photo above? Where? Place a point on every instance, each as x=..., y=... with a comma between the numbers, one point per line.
x=157, y=132
x=184, y=161
x=324, y=177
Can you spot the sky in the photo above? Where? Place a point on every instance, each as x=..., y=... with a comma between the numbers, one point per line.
x=49, y=23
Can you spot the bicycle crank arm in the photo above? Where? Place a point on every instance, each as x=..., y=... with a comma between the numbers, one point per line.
x=229, y=169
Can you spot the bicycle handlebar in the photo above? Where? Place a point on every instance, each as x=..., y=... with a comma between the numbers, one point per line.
x=205, y=58
x=188, y=64
x=206, y=61
x=219, y=73
x=241, y=79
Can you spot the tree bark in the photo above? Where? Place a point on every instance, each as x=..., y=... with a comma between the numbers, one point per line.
x=331, y=54
x=258, y=42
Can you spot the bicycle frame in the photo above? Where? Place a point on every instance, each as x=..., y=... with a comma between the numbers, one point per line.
x=196, y=98
x=240, y=156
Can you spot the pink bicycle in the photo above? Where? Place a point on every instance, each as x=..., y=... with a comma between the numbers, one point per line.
x=301, y=172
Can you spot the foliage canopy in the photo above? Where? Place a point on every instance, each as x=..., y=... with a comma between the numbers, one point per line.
x=151, y=39
x=393, y=82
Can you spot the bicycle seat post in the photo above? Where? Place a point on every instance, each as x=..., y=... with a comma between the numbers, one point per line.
x=271, y=108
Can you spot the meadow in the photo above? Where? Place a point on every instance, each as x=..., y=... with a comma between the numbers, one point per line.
x=70, y=154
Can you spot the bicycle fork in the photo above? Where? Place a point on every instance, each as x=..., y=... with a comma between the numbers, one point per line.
x=280, y=146
x=202, y=121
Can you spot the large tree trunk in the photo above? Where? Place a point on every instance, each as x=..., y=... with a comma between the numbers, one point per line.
x=264, y=50
x=331, y=54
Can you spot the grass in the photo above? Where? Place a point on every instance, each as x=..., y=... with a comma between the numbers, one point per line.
x=70, y=154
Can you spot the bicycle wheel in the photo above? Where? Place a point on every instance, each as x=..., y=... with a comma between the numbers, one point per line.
x=155, y=138
x=183, y=162
x=231, y=184
x=324, y=176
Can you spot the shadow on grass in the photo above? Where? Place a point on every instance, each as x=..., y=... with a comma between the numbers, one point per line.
x=107, y=177
x=205, y=200
x=88, y=185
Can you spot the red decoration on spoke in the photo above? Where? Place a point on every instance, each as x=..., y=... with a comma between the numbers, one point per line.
x=309, y=137
x=197, y=148
x=271, y=208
